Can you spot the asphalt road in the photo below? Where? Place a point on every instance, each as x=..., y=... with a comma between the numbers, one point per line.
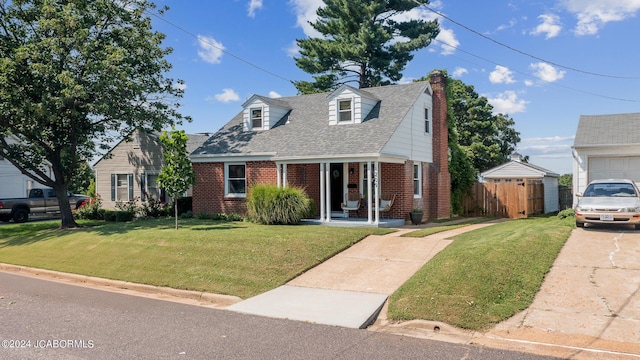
x=42, y=319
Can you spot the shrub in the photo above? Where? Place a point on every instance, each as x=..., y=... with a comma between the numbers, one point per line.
x=154, y=208
x=566, y=213
x=118, y=215
x=204, y=216
x=128, y=206
x=268, y=204
x=90, y=209
x=185, y=204
x=186, y=215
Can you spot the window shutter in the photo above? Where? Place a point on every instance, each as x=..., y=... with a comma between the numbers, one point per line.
x=143, y=190
x=113, y=187
x=130, y=186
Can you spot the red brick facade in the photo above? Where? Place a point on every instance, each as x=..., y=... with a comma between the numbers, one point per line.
x=208, y=192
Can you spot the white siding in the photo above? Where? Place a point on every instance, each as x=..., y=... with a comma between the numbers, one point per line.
x=361, y=106
x=12, y=183
x=270, y=115
x=605, y=162
x=410, y=139
x=550, y=194
x=513, y=170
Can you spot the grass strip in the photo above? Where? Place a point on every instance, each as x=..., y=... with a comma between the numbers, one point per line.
x=436, y=229
x=484, y=276
x=234, y=258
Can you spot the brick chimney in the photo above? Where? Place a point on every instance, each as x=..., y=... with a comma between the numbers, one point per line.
x=440, y=180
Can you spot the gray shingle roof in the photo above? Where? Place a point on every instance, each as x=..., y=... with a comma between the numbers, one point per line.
x=306, y=130
x=614, y=129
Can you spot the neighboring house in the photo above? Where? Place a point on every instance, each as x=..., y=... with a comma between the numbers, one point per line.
x=130, y=169
x=606, y=147
x=385, y=143
x=516, y=170
x=14, y=183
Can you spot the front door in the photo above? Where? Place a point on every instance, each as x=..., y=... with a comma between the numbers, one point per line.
x=337, y=186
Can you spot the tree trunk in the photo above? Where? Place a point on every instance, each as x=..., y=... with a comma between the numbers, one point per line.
x=175, y=208
x=66, y=216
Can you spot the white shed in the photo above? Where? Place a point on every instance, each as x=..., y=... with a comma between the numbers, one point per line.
x=516, y=170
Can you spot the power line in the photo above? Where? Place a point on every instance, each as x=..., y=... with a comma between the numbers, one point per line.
x=220, y=48
x=522, y=52
x=546, y=81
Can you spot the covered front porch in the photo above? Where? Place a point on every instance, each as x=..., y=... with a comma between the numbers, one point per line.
x=352, y=192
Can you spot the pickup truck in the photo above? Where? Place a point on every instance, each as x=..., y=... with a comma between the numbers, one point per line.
x=39, y=201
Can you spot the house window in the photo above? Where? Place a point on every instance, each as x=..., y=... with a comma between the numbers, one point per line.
x=364, y=182
x=256, y=118
x=153, y=191
x=121, y=187
x=345, y=110
x=427, y=123
x=235, y=184
x=417, y=181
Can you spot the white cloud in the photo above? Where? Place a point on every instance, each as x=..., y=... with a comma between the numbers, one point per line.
x=593, y=15
x=550, y=26
x=253, y=6
x=274, y=95
x=507, y=103
x=227, y=95
x=293, y=50
x=180, y=86
x=501, y=75
x=210, y=50
x=458, y=72
x=546, y=72
x=446, y=36
x=305, y=13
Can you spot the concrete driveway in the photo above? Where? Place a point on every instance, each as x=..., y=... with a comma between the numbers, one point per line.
x=589, y=304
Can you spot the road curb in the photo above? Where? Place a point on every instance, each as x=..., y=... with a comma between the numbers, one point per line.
x=216, y=300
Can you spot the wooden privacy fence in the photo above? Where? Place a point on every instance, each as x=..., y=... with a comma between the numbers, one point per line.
x=516, y=199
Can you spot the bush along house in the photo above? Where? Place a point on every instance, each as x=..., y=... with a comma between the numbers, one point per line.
x=366, y=154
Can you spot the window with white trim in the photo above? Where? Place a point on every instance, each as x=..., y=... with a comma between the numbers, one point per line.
x=121, y=187
x=235, y=180
x=152, y=189
x=427, y=123
x=256, y=118
x=417, y=180
x=345, y=110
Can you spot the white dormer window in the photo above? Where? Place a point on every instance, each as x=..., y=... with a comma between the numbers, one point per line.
x=256, y=118
x=345, y=110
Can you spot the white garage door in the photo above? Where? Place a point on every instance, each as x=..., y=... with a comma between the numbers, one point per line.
x=620, y=167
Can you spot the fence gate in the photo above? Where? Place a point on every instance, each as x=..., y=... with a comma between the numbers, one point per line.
x=515, y=199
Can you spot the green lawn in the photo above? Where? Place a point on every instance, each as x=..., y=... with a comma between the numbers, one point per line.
x=234, y=258
x=440, y=228
x=484, y=276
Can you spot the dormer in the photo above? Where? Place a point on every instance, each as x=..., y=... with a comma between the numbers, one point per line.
x=348, y=105
x=263, y=113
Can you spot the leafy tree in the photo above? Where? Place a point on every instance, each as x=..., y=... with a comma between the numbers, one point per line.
x=364, y=41
x=488, y=139
x=566, y=180
x=82, y=178
x=75, y=75
x=177, y=174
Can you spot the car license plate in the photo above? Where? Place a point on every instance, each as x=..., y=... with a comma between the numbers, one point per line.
x=606, y=217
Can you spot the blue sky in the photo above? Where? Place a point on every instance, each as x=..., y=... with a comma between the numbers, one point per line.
x=544, y=63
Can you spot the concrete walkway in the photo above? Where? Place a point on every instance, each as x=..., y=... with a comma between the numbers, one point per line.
x=351, y=288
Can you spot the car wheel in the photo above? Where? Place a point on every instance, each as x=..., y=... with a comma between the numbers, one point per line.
x=579, y=224
x=20, y=215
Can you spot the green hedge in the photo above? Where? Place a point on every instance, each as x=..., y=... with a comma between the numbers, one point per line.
x=269, y=205
x=118, y=215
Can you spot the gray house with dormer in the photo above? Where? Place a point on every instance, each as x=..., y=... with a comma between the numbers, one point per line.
x=384, y=149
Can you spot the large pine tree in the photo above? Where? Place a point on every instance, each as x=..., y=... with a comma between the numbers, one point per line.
x=366, y=42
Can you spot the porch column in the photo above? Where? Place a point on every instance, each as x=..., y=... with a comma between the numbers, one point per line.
x=328, y=190
x=322, y=195
x=376, y=184
x=369, y=194
x=279, y=175
x=284, y=175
